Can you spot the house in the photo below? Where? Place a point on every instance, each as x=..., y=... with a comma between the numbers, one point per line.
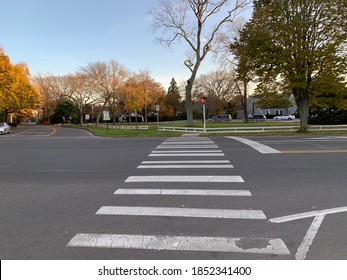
x=269, y=112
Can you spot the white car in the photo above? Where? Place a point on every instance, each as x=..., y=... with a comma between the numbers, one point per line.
x=4, y=128
x=284, y=118
x=220, y=118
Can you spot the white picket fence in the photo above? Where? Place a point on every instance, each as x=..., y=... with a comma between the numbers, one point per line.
x=121, y=127
x=252, y=129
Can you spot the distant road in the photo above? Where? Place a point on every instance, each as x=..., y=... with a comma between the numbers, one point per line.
x=47, y=130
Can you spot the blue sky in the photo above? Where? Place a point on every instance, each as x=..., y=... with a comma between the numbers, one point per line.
x=60, y=36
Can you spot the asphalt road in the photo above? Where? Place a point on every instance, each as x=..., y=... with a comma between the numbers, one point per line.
x=57, y=197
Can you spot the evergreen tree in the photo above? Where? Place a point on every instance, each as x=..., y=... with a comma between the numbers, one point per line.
x=173, y=98
x=65, y=112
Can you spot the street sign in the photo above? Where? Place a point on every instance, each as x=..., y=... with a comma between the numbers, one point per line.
x=157, y=108
x=106, y=115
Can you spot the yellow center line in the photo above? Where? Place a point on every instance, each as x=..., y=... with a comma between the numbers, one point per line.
x=312, y=151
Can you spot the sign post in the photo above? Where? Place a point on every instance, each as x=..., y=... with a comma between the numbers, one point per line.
x=106, y=117
x=136, y=119
x=157, y=108
x=203, y=100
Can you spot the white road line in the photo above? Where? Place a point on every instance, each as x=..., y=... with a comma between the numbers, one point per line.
x=327, y=138
x=184, y=161
x=312, y=231
x=186, y=146
x=196, y=135
x=309, y=237
x=202, y=192
x=187, y=139
x=256, y=145
x=5, y=166
x=183, y=141
x=187, y=151
x=308, y=215
x=304, y=140
x=181, y=243
x=198, y=179
x=23, y=132
x=188, y=143
x=188, y=155
x=182, y=212
x=186, y=166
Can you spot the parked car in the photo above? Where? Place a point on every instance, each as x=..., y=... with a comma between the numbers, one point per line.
x=284, y=118
x=4, y=128
x=125, y=118
x=220, y=118
x=258, y=117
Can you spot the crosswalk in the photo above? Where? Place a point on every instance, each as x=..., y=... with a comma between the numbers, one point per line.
x=177, y=149
x=184, y=178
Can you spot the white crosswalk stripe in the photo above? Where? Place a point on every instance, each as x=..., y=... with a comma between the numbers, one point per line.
x=184, y=161
x=186, y=151
x=191, y=146
x=185, y=178
x=182, y=212
x=182, y=192
x=180, y=243
x=185, y=166
x=186, y=146
x=188, y=155
x=187, y=142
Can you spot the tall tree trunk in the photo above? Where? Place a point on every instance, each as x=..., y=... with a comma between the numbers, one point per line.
x=245, y=104
x=114, y=118
x=146, y=114
x=189, y=105
x=302, y=101
x=98, y=116
x=243, y=96
x=189, y=88
x=6, y=115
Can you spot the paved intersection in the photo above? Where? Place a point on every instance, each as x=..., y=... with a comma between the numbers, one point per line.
x=186, y=146
x=178, y=198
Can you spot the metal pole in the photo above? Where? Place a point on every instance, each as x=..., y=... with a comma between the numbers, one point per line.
x=157, y=108
x=157, y=120
x=135, y=119
x=204, y=116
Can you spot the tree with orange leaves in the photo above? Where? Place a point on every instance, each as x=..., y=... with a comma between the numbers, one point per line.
x=16, y=92
x=141, y=93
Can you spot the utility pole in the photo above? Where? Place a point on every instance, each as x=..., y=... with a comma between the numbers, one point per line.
x=203, y=101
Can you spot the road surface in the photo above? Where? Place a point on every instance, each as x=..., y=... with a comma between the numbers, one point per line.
x=67, y=194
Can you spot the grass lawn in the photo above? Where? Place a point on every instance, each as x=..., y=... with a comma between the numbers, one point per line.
x=132, y=133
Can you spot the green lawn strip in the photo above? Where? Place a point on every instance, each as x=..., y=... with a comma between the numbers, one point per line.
x=152, y=130
x=132, y=133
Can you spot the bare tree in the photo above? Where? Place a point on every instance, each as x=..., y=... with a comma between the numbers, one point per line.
x=199, y=23
x=105, y=79
x=82, y=94
x=219, y=87
x=52, y=89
